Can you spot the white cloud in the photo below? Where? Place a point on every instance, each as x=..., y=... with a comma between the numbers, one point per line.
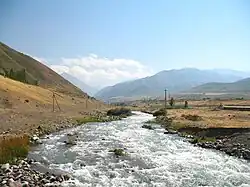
x=59, y=69
x=43, y=60
x=101, y=72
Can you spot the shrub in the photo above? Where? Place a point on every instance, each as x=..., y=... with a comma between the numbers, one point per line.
x=13, y=147
x=87, y=119
x=191, y=117
x=171, y=102
x=202, y=140
x=161, y=112
x=17, y=75
x=119, y=152
x=119, y=112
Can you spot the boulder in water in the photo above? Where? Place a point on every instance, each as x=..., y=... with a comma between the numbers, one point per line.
x=71, y=139
x=170, y=132
x=119, y=152
x=147, y=127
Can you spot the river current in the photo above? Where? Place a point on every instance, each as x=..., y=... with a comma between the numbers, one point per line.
x=153, y=158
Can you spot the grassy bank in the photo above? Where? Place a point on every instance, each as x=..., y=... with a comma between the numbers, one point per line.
x=13, y=147
x=89, y=119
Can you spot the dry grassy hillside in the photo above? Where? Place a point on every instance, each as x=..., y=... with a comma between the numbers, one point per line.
x=35, y=72
x=23, y=106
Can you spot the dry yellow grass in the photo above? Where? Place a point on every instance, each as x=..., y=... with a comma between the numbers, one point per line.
x=24, y=107
x=205, y=109
x=17, y=92
x=218, y=102
x=13, y=147
x=14, y=88
x=210, y=118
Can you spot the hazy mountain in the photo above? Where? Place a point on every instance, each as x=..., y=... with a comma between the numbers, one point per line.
x=173, y=80
x=21, y=67
x=80, y=84
x=240, y=86
x=233, y=72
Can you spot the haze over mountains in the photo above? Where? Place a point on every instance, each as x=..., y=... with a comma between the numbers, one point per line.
x=80, y=84
x=173, y=80
x=241, y=86
x=182, y=80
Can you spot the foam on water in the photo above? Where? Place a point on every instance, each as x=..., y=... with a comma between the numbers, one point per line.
x=154, y=158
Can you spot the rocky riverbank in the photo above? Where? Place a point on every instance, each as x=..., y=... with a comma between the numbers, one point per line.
x=232, y=141
x=22, y=174
x=235, y=143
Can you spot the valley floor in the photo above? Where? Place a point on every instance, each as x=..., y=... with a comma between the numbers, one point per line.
x=211, y=127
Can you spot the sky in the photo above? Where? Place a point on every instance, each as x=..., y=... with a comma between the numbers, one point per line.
x=105, y=42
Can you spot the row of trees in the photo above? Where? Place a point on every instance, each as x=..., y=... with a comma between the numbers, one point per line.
x=19, y=75
x=172, y=102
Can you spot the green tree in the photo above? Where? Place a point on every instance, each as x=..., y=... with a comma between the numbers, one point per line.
x=21, y=76
x=11, y=74
x=6, y=73
x=171, y=102
x=36, y=82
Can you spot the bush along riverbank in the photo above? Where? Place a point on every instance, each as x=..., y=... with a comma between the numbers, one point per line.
x=232, y=141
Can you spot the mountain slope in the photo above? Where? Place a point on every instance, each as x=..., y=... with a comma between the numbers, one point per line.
x=14, y=62
x=235, y=87
x=80, y=84
x=173, y=80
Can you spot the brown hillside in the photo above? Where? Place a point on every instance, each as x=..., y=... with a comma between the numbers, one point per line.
x=35, y=71
x=24, y=107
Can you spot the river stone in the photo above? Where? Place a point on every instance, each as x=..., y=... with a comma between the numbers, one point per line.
x=170, y=132
x=44, y=181
x=5, y=166
x=147, y=127
x=112, y=175
x=25, y=184
x=59, y=179
x=51, y=185
x=52, y=179
x=4, y=182
x=246, y=154
x=18, y=177
x=66, y=177
x=8, y=170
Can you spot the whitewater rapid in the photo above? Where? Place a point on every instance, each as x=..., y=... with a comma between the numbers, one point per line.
x=154, y=158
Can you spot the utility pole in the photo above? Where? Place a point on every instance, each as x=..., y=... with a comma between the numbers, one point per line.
x=165, y=98
x=54, y=99
x=86, y=103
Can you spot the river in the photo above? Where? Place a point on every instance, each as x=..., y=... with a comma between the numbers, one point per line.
x=154, y=158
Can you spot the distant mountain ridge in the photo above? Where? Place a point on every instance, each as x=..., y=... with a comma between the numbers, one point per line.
x=240, y=86
x=80, y=84
x=17, y=65
x=173, y=80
